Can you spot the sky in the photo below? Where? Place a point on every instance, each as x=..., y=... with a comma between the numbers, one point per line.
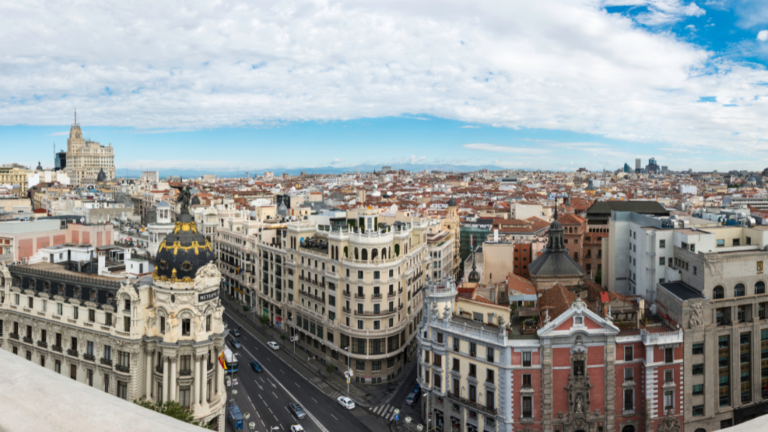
x=247, y=86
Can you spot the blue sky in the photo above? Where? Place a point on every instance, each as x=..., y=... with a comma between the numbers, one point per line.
x=552, y=84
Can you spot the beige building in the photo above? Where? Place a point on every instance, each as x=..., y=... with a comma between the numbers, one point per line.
x=86, y=158
x=15, y=175
x=155, y=337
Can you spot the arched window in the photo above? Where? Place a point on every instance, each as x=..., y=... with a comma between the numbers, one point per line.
x=700, y=430
x=760, y=288
x=384, y=253
x=739, y=290
x=357, y=254
x=374, y=253
x=628, y=428
x=346, y=252
x=718, y=292
x=397, y=250
x=364, y=255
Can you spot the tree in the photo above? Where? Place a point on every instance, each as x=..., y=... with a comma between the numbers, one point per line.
x=171, y=409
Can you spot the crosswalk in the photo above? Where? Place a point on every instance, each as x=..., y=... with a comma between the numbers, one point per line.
x=325, y=388
x=386, y=411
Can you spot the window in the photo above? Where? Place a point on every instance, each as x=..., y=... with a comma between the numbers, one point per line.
x=91, y=315
x=527, y=407
x=106, y=383
x=760, y=288
x=73, y=372
x=629, y=399
x=89, y=377
x=489, y=354
x=669, y=400
x=59, y=309
x=527, y=359
x=698, y=410
x=360, y=365
x=628, y=353
x=456, y=364
x=720, y=243
x=107, y=319
x=57, y=366
x=360, y=274
x=668, y=355
x=376, y=275
x=736, y=242
x=661, y=261
x=718, y=292
x=473, y=370
x=668, y=375
x=629, y=374
x=527, y=381
x=127, y=324
x=697, y=348
x=698, y=389
x=376, y=366
x=579, y=320
x=662, y=244
x=186, y=327
x=122, y=390
x=124, y=359
x=489, y=375
x=739, y=290
x=437, y=379
x=208, y=323
x=472, y=349
x=75, y=312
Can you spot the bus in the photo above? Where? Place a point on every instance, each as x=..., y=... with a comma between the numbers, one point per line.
x=231, y=360
x=235, y=417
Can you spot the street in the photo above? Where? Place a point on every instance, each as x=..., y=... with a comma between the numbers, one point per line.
x=266, y=395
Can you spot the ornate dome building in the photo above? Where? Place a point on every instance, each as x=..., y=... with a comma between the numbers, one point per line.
x=183, y=252
x=554, y=264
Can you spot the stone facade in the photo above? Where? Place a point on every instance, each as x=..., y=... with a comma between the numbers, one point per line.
x=85, y=158
x=132, y=338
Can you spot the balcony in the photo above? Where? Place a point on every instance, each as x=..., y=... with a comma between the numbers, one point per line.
x=57, y=348
x=106, y=362
x=27, y=340
x=346, y=293
x=73, y=353
x=374, y=313
x=121, y=368
x=346, y=310
x=89, y=357
x=360, y=296
x=42, y=344
x=186, y=372
x=159, y=368
x=376, y=295
x=472, y=404
x=14, y=336
x=312, y=296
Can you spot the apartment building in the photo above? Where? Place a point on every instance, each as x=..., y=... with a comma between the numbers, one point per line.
x=155, y=337
x=16, y=176
x=714, y=289
x=86, y=158
x=583, y=359
x=352, y=288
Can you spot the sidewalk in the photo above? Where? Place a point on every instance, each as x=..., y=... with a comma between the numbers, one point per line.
x=363, y=395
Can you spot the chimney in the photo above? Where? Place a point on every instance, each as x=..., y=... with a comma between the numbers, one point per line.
x=102, y=262
x=496, y=235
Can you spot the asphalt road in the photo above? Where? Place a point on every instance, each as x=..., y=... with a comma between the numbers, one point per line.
x=265, y=396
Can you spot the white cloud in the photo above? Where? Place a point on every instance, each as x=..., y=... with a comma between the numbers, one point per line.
x=470, y=127
x=551, y=64
x=660, y=12
x=59, y=134
x=762, y=35
x=504, y=149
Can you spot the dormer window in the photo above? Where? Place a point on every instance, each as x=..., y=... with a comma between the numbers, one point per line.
x=579, y=320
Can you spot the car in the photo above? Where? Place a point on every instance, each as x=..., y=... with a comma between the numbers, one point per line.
x=256, y=367
x=411, y=399
x=297, y=428
x=273, y=345
x=235, y=332
x=346, y=402
x=417, y=388
x=297, y=410
x=235, y=344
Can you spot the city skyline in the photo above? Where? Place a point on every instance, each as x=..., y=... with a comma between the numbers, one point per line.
x=486, y=84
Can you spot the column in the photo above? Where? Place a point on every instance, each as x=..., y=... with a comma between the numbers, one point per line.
x=166, y=371
x=172, y=394
x=148, y=388
x=204, y=380
x=196, y=383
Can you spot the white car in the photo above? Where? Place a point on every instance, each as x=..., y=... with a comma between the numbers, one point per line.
x=297, y=428
x=346, y=402
x=273, y=345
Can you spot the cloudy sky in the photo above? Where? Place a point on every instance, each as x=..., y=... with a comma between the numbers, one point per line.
x=550, y=84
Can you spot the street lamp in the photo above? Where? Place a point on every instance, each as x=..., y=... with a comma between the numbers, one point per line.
x=348, y=374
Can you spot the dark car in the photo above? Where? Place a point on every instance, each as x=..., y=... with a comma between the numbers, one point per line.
x=256, y=367
x=412, y=398
x=235, y=344
x=297, y=410
x=417, y=388
x=235, y=332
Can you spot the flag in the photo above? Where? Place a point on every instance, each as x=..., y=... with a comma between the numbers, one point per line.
x=222, y=361
x=238, y=270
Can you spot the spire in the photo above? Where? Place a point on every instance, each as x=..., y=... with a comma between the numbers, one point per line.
x=75, y=116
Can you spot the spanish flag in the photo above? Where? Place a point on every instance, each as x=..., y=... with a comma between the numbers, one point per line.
x=223, y=361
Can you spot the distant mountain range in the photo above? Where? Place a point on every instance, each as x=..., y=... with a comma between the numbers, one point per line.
x=224, y=173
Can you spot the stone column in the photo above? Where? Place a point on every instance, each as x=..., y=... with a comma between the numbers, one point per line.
x=196, y=383
x=172, y=393
x=166, y=370
x=148, y=388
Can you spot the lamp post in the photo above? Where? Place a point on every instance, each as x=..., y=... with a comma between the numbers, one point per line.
x=348, y=374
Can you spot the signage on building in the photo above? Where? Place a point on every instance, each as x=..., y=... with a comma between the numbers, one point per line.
x=207, y=296
x=759, y=267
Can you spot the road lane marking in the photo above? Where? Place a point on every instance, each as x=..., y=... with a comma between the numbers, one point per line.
x=313, y=399
x=297, y=385
x=274, y=394
x=270, y=411
x=334, y=417
x=282, y=371
x=309, y=414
